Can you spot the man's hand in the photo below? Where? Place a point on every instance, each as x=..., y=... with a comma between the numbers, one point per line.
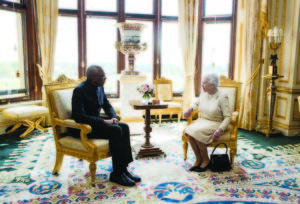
x=187, y=113
x=113, y=121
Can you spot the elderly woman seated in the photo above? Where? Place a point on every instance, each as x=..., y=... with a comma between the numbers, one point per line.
x=215, y=118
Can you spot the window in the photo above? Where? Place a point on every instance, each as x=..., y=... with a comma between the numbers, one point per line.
x=138, y=6
x=13, y=75
x=66, y=51
x=101, y=5
x=169, y=8
x=218, y=7
x=87, y=34
x=217, y=27
x=172, y=63
x=216, y=48
x=101, y=37
x=67, y=4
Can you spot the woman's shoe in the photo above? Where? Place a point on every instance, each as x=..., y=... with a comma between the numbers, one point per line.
x=200, y=169
x=193, y=168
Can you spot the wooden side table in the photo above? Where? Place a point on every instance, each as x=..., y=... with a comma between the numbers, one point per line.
x=147, y=148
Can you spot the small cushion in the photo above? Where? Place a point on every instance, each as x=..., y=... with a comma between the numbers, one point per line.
x=25, y=113
x=75, y=143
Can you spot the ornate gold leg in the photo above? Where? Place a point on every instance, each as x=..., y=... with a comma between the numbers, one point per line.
x=58, y=163
x=160, y=116
x=37, y=124
x=30, y=126
x=16, y=126
x=185, y=146
x=93, y=173
x=171, y=114
x=179, y=116
x=232, y=155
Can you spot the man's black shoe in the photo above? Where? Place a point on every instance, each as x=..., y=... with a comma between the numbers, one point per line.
x=132, y=176
x=121, y=179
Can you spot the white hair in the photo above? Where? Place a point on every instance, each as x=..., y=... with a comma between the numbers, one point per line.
x=212, y=78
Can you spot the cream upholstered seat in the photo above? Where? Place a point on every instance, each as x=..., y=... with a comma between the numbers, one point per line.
x=59, y=96
x=229, y=137
x=164, y=93
x=30, y=116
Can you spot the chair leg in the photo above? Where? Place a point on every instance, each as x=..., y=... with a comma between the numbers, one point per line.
x=58, y=163
x=38, y=126
x=160, y=116
x=185, y=146
x=30, y=126
x=179, y=117
x=171, y=114
x=16, y=126
x=232, y=155
x=93, y=173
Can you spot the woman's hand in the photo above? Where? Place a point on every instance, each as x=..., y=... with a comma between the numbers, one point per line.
x=187, y=113
x=217, y=134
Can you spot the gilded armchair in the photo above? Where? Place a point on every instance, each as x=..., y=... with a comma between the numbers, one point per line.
x=233, y=90
x=59, y=95
x=164, y=93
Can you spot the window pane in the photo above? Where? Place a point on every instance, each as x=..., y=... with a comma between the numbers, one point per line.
x=144, y=60
x=101, y=5
x=67, y=4
x=138, y=6
x=101, y=38
x=169, y=7
x=12, y=72
x=171, y=56
x=15, y=1
x=216, y=48
x=66, y=50
x=218, y=7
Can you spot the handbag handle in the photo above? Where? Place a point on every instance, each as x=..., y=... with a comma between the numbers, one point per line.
x=218, y=145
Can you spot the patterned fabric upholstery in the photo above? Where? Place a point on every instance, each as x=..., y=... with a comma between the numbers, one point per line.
x=74, y=143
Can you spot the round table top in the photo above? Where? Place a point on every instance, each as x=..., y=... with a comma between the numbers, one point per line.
x=138, y=105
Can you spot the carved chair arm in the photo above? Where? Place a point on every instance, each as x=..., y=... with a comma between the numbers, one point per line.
x=84, y=130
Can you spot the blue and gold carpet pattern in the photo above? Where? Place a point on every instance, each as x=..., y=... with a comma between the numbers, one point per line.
x=261, y=174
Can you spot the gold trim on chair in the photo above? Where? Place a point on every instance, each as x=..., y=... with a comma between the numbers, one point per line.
x=92, y=153
x=232, y=129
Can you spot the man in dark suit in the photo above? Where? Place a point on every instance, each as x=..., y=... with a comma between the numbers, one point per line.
x=87, y=101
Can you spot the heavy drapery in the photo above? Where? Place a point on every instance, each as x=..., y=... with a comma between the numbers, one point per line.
x=188, y=35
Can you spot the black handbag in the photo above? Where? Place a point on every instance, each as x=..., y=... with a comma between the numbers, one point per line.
x=219, y=162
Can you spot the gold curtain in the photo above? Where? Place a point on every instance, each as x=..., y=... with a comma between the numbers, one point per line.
x=188, y=37
x=251, y=19
x=47, y=15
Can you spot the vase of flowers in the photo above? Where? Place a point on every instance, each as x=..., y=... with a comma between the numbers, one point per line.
x=147, y=91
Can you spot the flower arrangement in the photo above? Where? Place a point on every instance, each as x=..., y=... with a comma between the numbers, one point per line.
x=145, y=89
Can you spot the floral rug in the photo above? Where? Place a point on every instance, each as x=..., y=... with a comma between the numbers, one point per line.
x=260, y=175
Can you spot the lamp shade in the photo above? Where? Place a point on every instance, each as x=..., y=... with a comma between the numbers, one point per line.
x=130, y=32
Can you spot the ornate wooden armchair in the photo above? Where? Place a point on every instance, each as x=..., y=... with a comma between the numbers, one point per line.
x=59, y=96
x=164, y=93
x=233, y=90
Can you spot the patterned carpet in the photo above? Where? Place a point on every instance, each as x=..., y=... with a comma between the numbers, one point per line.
x=260, y=175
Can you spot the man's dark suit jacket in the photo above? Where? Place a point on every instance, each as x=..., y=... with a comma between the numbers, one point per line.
x=87, y=102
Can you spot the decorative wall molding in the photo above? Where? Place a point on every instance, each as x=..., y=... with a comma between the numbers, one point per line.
x=277, y=114
x=288, y=90
x=285, y=126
